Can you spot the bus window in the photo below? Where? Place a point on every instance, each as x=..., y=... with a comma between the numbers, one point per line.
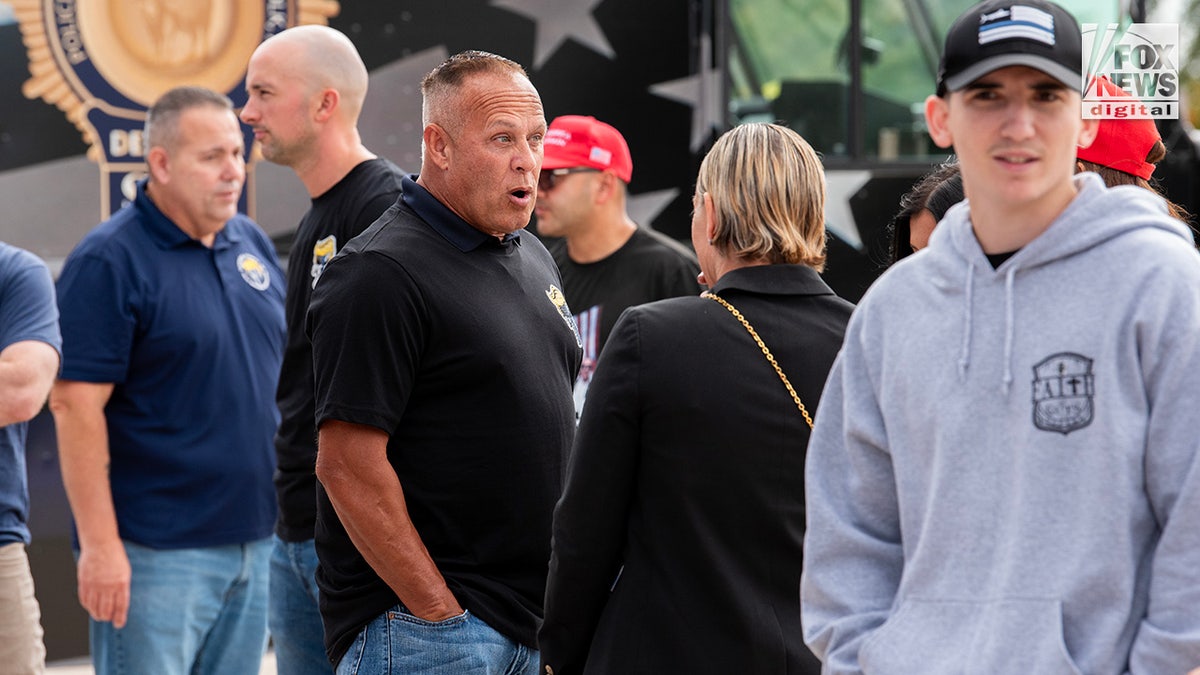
x=789, y=61
x=901, y=47
x=786, y=65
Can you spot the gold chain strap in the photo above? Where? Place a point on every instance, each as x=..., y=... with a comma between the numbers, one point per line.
x=767, y=352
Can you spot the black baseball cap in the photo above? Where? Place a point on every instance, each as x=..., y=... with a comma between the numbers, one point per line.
x=1000, y=33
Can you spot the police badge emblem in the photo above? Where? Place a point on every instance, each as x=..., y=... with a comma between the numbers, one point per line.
x=1063, y=392
x=104, y=62
x=254, y=272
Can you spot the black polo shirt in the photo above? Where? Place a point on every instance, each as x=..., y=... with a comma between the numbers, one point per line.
x=462, y=348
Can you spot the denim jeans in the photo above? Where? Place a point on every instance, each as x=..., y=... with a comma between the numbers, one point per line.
x=294, y=617
x=397, y=642
x=196, y=611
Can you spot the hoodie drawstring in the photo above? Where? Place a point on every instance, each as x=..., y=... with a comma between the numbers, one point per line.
x=965, y=357
x=1009, y=327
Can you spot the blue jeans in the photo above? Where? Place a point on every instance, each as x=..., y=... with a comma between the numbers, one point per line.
x=195, y=611
x=295, y=617
x=398, y=642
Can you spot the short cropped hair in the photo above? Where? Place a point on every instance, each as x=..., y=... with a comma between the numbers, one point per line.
x=449, y=75
x=768, y=191
x=162, y=119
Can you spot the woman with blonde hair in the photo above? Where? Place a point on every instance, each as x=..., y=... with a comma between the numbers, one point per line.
x=677, y=541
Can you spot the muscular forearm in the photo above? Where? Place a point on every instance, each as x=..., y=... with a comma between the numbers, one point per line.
x=104, y=574
x=369, y=500
x=27, y=370
x=84, y=458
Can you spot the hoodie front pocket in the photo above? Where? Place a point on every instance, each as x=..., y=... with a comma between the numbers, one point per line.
x=954, y=637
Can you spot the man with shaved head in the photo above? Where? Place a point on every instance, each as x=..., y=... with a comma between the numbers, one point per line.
x=444, y=355
x=306, y=89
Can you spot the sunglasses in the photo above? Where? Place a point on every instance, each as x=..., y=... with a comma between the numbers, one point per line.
x=549, y=178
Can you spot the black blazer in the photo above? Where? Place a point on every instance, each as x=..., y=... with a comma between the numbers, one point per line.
x=685, y=488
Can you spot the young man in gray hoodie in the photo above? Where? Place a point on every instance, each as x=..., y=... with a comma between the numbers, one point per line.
x=1004, y=474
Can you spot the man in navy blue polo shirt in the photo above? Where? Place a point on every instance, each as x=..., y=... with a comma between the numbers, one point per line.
x=173, y=330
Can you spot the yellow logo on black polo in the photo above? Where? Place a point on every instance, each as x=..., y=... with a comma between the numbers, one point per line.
x=323, y=252
x=560, y=304
x=254, y=272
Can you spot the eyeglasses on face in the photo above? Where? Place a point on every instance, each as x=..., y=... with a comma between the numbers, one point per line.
x=549, y=178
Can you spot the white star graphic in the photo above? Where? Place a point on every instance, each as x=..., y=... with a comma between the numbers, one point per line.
x=390, y=122
x=644, y=208
x=840, y=186
x=702, y=91
x=557, y=20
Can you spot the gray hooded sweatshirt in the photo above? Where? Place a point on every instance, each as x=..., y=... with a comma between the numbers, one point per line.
x=1004, y=475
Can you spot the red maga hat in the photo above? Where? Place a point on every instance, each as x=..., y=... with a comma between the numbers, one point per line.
x=1121, y=144
x=580, y=141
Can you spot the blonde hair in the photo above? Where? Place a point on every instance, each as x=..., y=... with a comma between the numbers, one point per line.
x=768, y=191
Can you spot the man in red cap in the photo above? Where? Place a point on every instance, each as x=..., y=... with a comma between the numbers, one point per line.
x=607, y=262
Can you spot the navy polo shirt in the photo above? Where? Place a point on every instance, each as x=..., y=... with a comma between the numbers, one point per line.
x=192, y=338
x=27, y=312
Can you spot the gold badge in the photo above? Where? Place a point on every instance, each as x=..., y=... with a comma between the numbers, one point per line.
x=560, y=303
x=556, y=296
x=103, y=62
x=323, y=252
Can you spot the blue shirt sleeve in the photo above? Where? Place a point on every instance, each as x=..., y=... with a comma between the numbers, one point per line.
x=99, y=320
x=27, y=307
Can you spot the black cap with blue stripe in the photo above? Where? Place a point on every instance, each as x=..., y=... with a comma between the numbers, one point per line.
x=1001, y=33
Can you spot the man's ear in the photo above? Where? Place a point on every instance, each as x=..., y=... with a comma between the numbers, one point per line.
x=607, y=186
x=327, y=104
x=1087, y=133
x=437, y=145
x=937, y=112
x=158, y=163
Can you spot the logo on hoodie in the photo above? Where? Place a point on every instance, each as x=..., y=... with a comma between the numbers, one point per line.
x=1063, y=389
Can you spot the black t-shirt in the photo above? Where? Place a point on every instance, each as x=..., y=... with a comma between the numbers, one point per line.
x=997, y=259
x=463, y=350
x=336, y=217
x=650, y=266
